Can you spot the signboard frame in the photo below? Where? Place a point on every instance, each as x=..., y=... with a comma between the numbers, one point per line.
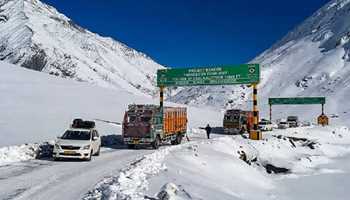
x=297, y=100
x=221, y=75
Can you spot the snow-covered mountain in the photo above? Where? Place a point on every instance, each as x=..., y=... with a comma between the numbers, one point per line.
x=36, y=36
x=313, y=59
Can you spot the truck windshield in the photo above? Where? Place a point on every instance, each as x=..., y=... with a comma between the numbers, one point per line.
x=76, y=135
x=232, y=117
x=137, y=119
x=132, y=119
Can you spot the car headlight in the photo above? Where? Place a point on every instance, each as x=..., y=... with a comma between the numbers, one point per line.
x=86, y=147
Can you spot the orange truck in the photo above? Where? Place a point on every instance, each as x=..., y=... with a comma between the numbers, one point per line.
x=149, y=125
x=238, y=121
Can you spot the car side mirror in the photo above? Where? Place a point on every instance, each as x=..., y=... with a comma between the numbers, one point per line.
x=95, y=138
x=58, y=137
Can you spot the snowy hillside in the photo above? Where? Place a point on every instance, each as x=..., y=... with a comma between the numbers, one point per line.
x=311, y=60
x=285, y=165
x=36, y=36
x=37, y=107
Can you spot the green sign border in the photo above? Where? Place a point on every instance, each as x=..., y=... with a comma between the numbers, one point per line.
x=220, y=75
x=297, y=100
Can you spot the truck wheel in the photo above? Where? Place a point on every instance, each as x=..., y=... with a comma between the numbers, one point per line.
x=156, y=143
x=131, y=146
x=56, y=159
x=178, y=139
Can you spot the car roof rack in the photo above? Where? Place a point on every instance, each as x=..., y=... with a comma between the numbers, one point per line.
x=80, y=123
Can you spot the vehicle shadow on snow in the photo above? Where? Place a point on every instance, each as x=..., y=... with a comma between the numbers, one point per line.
x=113, y=142
x=116, y=142
x=218, y=130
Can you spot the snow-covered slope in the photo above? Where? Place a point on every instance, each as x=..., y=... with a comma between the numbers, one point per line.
x=311, y=60
x=36, y=107
x=36, y=36
x=231, y=167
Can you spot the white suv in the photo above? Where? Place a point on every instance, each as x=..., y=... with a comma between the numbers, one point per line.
x=77, y=143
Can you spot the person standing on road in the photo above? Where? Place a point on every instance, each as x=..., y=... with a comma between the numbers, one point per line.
x=208, y=130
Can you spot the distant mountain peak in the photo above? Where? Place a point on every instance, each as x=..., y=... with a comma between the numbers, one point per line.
x=328, y=25
x=311, y=60
x=36, y=36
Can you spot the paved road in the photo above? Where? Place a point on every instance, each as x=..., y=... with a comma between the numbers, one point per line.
x=46, y=179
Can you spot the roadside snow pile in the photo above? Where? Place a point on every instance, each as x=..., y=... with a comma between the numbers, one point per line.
x=212, y=169
x=297, y=150
x=231, y=167
x=168, y=192
x=227, y=167
x=25, y=152
x=131, y=183
x=13, y=154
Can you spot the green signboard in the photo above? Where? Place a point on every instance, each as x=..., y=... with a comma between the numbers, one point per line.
x=297, y=100
x=225, y=75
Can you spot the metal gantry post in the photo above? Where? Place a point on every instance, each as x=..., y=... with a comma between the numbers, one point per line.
x=322, y=109
x=161, y=104
x=323, y=119
x=255, y=106
x=255, y=134
x=161, y=97
x=270, y=112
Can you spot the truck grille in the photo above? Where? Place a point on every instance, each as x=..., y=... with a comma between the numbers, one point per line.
x=67, y=147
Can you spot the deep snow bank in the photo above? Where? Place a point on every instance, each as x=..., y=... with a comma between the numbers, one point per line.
x=36, y=107
x=19, y=153
x=132, y=181
x=214, y=169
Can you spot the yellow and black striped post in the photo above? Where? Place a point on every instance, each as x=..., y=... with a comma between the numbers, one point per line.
x=255, y=134
x=270, y=112
x=161, y=97
x=161, y=103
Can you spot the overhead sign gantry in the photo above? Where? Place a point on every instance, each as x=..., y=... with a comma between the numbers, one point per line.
x=220, y=75
x=322, y=119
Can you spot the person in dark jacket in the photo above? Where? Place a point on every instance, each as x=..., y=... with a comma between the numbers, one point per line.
x=208, y=130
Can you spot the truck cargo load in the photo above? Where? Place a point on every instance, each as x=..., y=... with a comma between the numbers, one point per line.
x=147, y=124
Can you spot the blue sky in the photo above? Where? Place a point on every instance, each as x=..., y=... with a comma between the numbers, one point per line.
x=190, y=33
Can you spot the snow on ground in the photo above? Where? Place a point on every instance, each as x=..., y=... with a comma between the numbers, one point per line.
x=19, y=153
x=36, y=107
x=217, y=169
x=132, y=181
x=46, y=179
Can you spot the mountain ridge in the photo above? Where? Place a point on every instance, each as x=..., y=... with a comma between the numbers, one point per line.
x=311, y=60
x=36, y=36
